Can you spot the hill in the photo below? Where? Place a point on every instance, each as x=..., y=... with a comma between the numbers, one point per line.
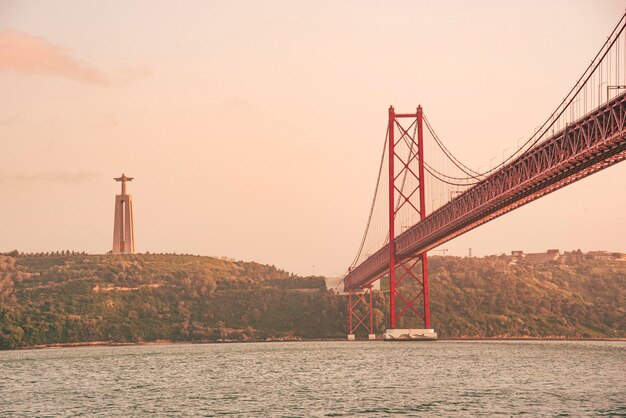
x=133, y=298
x=575, y=296
x=46, y=299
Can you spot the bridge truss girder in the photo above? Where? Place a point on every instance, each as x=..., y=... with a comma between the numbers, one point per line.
x=586, y=146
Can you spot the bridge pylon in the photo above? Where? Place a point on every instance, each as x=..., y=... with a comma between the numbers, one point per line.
x=359, y=301
x=407, y=203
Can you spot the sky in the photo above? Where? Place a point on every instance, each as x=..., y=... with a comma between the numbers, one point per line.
x=253, y=129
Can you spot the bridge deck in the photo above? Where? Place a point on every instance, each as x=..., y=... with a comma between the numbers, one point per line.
x=592, y=143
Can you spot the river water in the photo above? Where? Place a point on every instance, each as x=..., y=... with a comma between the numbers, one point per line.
x=301, y=379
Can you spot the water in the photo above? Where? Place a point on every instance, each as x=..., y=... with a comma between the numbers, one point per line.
x=318, y=379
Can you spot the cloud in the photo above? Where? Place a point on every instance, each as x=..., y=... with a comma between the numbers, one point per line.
x=131, y=73
x=55, y=176
x=28, y=54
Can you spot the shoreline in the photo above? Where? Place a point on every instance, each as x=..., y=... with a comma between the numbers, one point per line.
x=171, y=342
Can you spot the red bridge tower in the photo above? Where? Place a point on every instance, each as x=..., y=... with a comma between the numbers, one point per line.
x=406, y=195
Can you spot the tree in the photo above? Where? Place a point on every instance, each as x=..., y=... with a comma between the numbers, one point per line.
x=11, y=337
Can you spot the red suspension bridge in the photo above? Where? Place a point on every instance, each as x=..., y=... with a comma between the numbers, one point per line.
x=583, y=135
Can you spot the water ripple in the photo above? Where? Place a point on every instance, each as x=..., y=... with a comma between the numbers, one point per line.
x=319, y=379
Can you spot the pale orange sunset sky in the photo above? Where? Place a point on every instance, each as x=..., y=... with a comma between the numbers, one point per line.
x=253, y=129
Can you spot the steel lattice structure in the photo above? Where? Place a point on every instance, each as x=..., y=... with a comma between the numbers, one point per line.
x=586, y=146
x=412, y=197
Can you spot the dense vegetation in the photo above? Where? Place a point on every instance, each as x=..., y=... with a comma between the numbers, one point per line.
x=68, y=297
x=131, y=298
x=573, y=297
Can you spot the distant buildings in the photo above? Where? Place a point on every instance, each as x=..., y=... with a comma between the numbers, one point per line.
x=550, y=255
x=555, y=254
x=605, y=255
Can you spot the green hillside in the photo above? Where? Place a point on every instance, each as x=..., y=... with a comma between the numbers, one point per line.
x=131, y=298
x=577, y=297
x=46, y=299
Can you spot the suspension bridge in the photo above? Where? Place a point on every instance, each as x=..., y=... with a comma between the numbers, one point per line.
x=425, y=195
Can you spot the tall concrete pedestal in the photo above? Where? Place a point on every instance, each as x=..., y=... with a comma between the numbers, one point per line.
x=123, y=228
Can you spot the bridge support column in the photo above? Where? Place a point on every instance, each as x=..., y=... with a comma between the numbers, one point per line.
x=406, y=199
x=360, y=313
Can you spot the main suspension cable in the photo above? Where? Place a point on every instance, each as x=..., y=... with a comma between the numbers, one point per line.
x=369, y=218
x=549, y=122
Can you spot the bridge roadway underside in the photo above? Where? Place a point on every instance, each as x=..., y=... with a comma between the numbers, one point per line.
x=592, y=143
